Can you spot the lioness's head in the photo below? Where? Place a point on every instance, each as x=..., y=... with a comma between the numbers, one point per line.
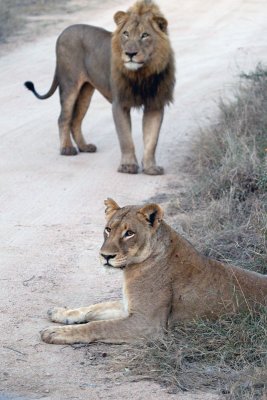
x=130, y=233
x=141, y=40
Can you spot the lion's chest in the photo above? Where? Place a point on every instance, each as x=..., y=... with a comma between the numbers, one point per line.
x=125, y=298
x=147, y=292
x=150, y=92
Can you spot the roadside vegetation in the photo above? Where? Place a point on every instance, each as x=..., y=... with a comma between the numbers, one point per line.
x=224, y=213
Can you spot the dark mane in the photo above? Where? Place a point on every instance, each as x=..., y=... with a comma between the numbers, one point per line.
x=154, y=91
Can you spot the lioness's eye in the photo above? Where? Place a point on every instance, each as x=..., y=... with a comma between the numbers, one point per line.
x=129, y=234
x=107, y=230
x=144, y=35
x=126, y=34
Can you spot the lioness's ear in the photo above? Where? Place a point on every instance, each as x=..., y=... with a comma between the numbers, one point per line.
x=111, y=207
x=120, y=17
x=153, y=214
x=162, y=23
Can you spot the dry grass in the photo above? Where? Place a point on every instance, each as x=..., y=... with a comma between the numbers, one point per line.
x=228, y=356
x=229, y=168
x=224, y=213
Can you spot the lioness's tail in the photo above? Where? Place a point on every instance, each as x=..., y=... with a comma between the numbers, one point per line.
x=29, y=85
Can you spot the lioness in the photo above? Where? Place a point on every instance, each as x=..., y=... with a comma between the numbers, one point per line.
x=165, y=280
x=133, y=67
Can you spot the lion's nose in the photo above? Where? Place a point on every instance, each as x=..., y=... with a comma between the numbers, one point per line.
x=130, y=54
x=108, y=257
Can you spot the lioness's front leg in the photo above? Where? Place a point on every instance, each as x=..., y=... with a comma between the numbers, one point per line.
x=95, y=312
x=152, y=121
x=123, y=330
x=122, y=121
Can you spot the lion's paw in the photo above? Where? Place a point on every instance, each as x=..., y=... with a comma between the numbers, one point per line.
x=54, y=335
x=88, y=148
x=128, y=168
x=59, y=314
x=153, y=170
x=68, y=151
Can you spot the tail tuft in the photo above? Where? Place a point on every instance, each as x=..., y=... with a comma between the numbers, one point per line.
x=29, y=85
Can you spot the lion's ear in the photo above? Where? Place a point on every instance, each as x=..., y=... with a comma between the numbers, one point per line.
x=120, y=17
x=162, y=23
x=153, y=214
x=111, y=207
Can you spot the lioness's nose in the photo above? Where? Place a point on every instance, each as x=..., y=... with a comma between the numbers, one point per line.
x=108, y=257
x=130, y=54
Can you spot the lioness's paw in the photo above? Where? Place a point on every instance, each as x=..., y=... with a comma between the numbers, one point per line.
x=59, y=314
x=128, y=168
x=68, y=151
x=88, y=148
x=55, y=335
x=153, y=170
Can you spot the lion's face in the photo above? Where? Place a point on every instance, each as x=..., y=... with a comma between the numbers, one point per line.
x=129, y=234
x=141, y=38
x=137, y=45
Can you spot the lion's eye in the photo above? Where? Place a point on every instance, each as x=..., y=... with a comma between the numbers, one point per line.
x=129, y=234
x=126, y=34
x=107, y=230
x=144, y=35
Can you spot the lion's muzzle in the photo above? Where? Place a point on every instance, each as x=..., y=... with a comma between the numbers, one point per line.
x=106, y=259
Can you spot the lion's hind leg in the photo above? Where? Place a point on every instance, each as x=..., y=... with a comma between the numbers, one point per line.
x=68, y=99
x=95, y=312
x=81, y=106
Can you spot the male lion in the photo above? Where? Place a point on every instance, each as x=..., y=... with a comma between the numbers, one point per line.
x=165, y=280
x=133, y=67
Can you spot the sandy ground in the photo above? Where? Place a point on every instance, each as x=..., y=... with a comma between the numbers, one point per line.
x=51, y=207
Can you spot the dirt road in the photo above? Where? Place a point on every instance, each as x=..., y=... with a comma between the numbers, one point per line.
x=51, y=207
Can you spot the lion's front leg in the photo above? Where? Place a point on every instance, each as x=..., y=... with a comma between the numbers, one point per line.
x=95, y=312
x=152, y=121
x=123, y=330
x=122, y=121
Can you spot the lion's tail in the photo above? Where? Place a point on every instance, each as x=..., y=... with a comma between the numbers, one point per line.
x=29, y=85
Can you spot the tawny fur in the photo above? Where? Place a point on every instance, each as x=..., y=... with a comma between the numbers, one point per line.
x=153, y=85
x=165, y=281
x=133, y=67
